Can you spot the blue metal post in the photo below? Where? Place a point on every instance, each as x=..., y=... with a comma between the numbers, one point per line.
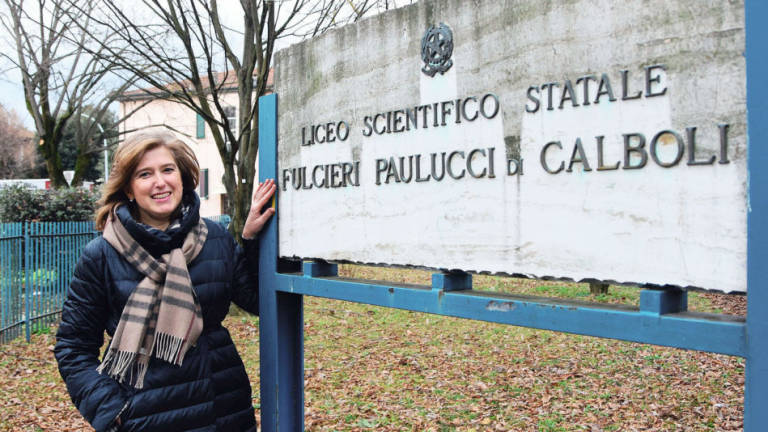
x=281, y=315
x=756, y=374
x=7, y=273
x=27, y=280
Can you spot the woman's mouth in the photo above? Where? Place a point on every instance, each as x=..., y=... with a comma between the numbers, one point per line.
x=161, y=196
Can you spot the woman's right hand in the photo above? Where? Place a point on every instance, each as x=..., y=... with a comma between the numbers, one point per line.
x=256, y=218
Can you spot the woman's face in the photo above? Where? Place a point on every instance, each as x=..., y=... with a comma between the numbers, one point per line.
x=156, y=186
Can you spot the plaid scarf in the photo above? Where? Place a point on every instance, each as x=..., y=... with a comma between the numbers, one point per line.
x=162, y=317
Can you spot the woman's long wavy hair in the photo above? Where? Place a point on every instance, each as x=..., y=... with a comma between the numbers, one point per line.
x=128, y=156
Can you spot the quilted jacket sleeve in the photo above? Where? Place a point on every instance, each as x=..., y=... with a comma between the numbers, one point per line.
x=246, y=277
x=99, y=398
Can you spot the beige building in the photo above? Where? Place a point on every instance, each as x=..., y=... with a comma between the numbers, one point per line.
x=189, y=126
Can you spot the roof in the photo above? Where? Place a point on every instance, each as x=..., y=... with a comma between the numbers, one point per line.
x=227, y=79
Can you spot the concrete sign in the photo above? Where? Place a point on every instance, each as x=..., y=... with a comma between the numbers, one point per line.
x=589, y=140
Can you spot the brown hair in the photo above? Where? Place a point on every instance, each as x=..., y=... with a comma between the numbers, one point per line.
x=128, y=156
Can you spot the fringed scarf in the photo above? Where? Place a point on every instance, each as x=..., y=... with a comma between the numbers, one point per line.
x=162, y=317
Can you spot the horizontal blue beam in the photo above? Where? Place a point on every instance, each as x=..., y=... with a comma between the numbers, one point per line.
x=687, y=330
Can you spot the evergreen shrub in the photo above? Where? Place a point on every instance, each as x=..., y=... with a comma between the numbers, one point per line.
x=20, y=203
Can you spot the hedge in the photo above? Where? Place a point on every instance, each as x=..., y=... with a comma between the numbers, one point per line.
x=24, y=203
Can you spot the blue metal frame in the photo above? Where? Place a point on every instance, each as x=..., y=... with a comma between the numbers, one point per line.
x=661, y=319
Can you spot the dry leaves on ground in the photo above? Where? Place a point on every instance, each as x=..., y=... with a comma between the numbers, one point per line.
x=369, y=368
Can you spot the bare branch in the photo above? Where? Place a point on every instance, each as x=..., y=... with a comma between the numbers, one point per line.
x=198, y=66
x=61, y=68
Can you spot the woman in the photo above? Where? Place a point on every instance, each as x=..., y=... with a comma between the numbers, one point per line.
x=160, y=281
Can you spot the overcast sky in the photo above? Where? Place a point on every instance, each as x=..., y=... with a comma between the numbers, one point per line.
x=230, y=11
x=12, y=96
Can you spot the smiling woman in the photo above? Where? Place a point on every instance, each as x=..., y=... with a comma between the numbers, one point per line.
x=156, y=187
x=159, y=282
x=147, y=165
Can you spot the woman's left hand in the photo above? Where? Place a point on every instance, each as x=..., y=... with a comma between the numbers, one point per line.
x=256, y=218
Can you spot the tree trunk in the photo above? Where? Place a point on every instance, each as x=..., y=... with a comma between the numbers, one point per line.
x=53, y=164
x=239, y=209
x=81, y=166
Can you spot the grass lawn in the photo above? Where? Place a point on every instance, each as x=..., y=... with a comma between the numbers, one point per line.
x=373, y=368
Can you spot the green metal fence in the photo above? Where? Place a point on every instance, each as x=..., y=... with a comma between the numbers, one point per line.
x=36, y=264
x=223, y=220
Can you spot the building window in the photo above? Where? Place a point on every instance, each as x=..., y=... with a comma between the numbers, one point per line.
x=224, y=201
x=200, y=126
x=204, y=183
x=231, y=113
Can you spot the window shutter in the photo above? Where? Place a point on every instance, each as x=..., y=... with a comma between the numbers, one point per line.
x=200, y=126
x=204, y=183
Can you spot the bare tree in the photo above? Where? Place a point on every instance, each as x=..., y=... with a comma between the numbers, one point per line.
x=61, y=73
x=17, y=152
x=182, y=51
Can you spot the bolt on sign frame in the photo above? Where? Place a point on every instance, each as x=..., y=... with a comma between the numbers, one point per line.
x=662, y=317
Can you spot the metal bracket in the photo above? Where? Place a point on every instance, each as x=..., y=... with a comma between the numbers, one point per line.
x=452, y=281
x=320, y=268
x=663, y=301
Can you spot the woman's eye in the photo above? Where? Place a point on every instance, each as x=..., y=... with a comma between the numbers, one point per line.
x=169, y=170
x=143, y=174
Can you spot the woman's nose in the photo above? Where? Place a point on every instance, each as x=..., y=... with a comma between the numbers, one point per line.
x=159, y=179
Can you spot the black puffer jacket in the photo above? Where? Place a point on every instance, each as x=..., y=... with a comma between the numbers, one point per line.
x=210, y=391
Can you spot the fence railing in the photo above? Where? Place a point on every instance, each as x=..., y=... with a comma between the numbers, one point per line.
x=223, y=220
x=37, y=260
x=36, y=264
